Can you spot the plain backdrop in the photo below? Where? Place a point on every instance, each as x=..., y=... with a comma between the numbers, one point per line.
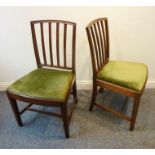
x=132, y=37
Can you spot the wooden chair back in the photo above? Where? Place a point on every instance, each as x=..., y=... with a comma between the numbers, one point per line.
x=98, y=37
x=54, y=43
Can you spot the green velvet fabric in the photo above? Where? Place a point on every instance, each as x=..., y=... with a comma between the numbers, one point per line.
x=44, y=83
x=130, y=75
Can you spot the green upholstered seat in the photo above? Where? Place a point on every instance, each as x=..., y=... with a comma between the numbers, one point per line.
x=44, y=83
x=130, y=75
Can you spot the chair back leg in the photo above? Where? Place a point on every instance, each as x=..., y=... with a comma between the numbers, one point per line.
x=101, y=90
x=93, y=96
x=75, y=92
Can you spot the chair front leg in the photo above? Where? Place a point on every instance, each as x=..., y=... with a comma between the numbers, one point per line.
x=94, y=93
x=65, y=119
x=134, y=112
x=75, y=92
x=15, y=109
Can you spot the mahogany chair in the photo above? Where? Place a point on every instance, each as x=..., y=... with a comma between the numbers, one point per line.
x=124, y=77
x=54, y=80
